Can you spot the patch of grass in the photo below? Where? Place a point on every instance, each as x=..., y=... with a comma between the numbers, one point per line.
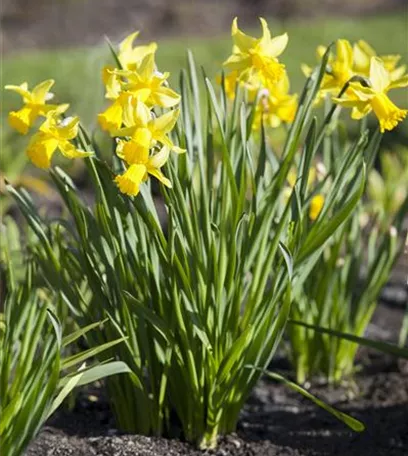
x=77, y=71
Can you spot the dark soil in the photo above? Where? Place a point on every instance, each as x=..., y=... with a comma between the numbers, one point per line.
x=275, y=421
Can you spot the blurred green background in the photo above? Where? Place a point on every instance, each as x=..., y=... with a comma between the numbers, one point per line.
x=63, y=40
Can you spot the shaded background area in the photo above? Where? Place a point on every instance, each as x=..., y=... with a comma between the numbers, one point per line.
x=30, y=24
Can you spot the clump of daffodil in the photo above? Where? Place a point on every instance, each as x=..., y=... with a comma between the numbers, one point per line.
x=373, y=97
x=145, y=84
x=35, y=105
x=55, y=134
x=137, y=89
x=252, y=56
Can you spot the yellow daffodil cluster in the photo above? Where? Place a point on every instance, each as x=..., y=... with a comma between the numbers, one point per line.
x=369, y=78
x=55, y=133
x=255, y=66
x=137, y=91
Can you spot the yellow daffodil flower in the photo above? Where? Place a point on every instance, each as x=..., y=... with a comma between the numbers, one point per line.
x=147, y=85
x=230, y=83
x=138, y=118
x=130, y=57
x=141, y=165
x=54, y=134
x=259, y=56
x=112, y=82
x=112, y=118
x=34, y=105
x=276, y=104
x=374, y=98
x=363, y=53
x=316, y=205
x=339, y=67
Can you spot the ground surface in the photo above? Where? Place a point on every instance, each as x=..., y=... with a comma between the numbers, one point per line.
x=274, y=422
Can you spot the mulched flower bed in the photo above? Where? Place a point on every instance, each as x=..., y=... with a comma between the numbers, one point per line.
x=275, y=421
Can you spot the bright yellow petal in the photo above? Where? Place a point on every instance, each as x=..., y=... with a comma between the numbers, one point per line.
x=379, y=76
x=320, y=51
x=238, y=62
x=130, y=181
x=41, y=149
x=127, y=44
x=111, y=81
x=41, y=90
x=23, y=119
x=22, y=90
x=277, y=45
x=68, y=150
x=135, y=153
x=138, y=54
x=178, y=150
x=399, y=83
x=316, y=205
x=242, y=41
x=360, y=111
x=142, y=114
x=159, y=176
x=388, y=114
x=159, y=159
x=166, y=97
x=68, y=128
x=111, y=119
x=361, y=58
x=357, y=90
x=165, y=123
x=344, y=53
x=147, y=66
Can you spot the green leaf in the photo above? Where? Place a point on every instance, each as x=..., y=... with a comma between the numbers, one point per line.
x=351, y=422
x=384, y=347
x=83, y=356
x=80, y=332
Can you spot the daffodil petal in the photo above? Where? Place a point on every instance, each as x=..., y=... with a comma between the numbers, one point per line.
x=41, y=149
x=68, y=128
x=41, y=90
x=159, y=159
x=160, y=176
x=344, y=53
x=237, y=62
x=240, y=39
x=68, y=150
x=316, y=205
x=111, y=119
x=399, y=83
x=165, y=123
x=277, y=45
x=22, y=90
x=142, y=114
x=166, y=97
x=129, y=182
x=127, y=44
x=23, y=119
x=379, y=76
